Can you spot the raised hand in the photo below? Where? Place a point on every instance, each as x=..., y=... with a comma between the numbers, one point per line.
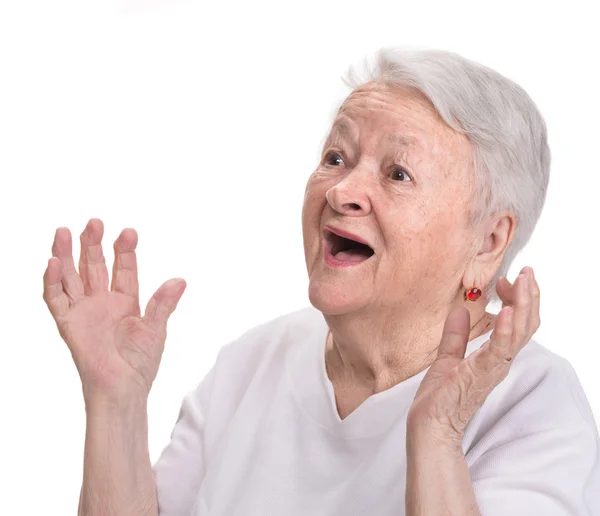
x=455, y=387
x=115, y=349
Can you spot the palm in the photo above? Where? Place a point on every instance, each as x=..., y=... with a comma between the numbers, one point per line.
x=455, y=386
x=102, y=331
x=439, y=383
x=110, y=342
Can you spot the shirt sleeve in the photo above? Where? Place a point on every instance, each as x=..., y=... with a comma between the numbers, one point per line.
x=554, y=472
x=179, y=470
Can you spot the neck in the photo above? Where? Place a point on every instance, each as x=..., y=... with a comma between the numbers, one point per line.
x=372, y=353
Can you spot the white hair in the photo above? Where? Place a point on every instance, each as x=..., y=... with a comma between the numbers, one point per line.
x=505, y=127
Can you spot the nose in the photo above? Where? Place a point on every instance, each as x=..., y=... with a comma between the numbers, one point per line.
x=350, y=196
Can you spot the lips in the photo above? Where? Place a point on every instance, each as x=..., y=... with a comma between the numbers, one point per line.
x=345, y=248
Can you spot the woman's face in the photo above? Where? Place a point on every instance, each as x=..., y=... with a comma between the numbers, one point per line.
x=395, y=175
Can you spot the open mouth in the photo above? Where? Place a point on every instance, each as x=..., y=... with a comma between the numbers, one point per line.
x=347, y=250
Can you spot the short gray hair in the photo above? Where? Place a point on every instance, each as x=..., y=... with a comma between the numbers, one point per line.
x=507, y=132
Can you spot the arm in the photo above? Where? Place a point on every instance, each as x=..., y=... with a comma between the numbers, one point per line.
x=438, y=481
x=454, y=388
x=117, y=353
x=117, y=474
x=555, y=472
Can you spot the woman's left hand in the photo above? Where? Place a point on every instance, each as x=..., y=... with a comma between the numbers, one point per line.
x=455, y=387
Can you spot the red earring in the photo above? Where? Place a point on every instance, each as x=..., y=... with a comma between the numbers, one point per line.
x=473, y=294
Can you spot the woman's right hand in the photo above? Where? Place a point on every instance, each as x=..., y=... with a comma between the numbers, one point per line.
x=116, y=351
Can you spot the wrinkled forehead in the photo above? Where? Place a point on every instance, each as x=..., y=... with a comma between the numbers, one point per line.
x=382, y=94
x=401, y=116
x=352, y=129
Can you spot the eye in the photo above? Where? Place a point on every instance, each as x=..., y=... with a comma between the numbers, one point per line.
x=334, y=159
x=399, y=174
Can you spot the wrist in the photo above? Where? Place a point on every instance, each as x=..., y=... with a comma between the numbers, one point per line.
x=125, y=421
x=432, y=437
x=114, y=402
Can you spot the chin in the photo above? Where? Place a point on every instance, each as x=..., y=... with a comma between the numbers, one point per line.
x=335, y=299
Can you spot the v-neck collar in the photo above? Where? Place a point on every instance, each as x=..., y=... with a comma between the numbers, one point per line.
x=316, y=395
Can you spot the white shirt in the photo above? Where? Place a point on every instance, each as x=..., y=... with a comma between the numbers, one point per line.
x=261, y=436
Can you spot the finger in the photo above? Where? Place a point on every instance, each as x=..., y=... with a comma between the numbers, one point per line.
x=489, y=357
x=163, y=303
x=62, y=248
x=535, y=303
x=125, y=273
x=455, y=334
x=505, y=291
x=491, y=354
x=92, y=265
x=54, y=295
x=522, y=312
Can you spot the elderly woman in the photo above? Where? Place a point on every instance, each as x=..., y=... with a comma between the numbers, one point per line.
x=396, y=392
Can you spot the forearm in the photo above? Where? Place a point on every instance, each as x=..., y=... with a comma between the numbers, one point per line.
x=438, y=481
x=117, y=472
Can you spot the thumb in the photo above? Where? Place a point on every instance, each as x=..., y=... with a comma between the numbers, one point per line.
x=456, y=333
x=163, y=303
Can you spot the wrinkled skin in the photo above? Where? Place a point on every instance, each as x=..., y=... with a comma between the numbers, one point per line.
x=117, y=352
x=455, y=387
x=393, y=173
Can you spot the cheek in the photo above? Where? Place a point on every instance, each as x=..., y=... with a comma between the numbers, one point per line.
x=314, y=196
x=447, y=249
x=427, y=241
x=312, y=209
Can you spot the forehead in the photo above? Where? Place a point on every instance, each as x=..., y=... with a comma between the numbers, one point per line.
x=402, y=117
x=383, y=94
x=348, y=128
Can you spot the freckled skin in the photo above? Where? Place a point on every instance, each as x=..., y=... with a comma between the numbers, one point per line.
x=419, y=229
x=386, y=315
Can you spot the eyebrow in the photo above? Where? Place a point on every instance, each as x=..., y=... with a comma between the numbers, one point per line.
x=401, y=140
x=340, y=128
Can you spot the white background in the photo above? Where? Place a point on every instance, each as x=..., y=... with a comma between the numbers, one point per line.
x=198, y=123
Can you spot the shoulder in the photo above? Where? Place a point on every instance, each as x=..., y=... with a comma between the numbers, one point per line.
x=247, y=367
x=535, y=439
x=540, y=392
x=272, y=333
x=268, y=342
x=560, y=373
x=553, y=379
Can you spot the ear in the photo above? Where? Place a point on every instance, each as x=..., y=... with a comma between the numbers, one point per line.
x=498, y=234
